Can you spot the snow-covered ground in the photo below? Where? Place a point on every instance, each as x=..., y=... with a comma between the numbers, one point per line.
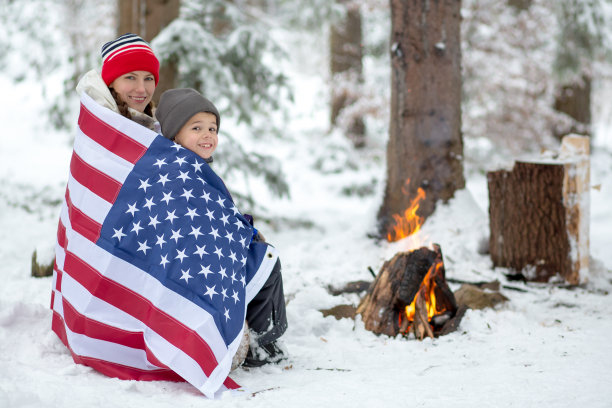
x=547, y=346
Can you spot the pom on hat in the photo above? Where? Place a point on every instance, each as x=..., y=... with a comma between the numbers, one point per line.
x=125, y=54
x=177, y=106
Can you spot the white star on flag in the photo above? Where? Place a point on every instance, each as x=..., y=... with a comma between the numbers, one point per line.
x=144, y=184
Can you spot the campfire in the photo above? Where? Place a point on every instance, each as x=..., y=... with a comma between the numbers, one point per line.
x=433, y=304
x=408, y=223
x=410, y=294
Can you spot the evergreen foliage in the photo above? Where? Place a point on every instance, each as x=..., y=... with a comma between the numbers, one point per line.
x=41, y=39
x=223, y=51
x=515, y=55
x=582, y=38
x=508, y=86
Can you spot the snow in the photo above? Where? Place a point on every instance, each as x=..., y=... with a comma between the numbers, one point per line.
x=547, y=346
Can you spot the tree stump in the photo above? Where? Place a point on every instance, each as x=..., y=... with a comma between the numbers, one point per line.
x=539, y=215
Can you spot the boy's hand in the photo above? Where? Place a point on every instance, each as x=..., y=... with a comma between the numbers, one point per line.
x=259, y=237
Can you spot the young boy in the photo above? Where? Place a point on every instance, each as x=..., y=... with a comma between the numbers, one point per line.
x=190, y=120
x=193, y=121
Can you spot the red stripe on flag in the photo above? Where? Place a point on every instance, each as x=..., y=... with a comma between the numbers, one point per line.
x=80, y=324
x=112, y=369
x=81, y=222
x=127, y=373
x=109, y=137
x=230, y=384
x=57, y=325
x=142, y=309
x=58, y=277
x=61, y=234
x=93, y=179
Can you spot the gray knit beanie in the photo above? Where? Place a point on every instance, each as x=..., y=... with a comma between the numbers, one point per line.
x=177, y=106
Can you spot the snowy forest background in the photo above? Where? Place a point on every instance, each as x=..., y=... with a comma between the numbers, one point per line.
x=315, y=190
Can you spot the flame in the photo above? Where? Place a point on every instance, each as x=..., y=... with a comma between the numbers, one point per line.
x=426, y=291
x=409, y=223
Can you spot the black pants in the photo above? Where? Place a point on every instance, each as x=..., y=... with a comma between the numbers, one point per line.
x=266, y=314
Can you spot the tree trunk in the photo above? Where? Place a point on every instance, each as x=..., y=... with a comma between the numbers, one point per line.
x=575, y=101
x=425, y=145
x=147, y=18
x=346, y=70
x=539, y=215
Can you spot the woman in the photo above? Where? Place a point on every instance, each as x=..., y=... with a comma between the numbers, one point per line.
x=130, y=73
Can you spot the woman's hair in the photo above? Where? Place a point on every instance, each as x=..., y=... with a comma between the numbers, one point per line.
x=123, y=106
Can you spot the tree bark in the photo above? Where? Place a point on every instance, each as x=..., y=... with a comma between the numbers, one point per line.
x=539, y=217
x=425, y=143
x=346, y=70
x=147, y=18
x=575, y=101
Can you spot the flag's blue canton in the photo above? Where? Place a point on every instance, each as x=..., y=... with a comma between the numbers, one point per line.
x=175, y=219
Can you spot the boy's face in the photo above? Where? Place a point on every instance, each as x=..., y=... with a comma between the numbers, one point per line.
x=135, y=88
x=199, y=134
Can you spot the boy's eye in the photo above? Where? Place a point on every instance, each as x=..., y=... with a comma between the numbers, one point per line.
x=212, y=130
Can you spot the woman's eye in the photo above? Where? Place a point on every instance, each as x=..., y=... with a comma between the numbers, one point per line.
x=149, y=79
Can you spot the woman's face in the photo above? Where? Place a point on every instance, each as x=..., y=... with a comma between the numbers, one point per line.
x=199, y=134
x=135, y=88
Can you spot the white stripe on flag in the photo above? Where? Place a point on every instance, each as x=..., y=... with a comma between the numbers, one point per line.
x=137, y=132
x=89, y=203
x=98, y=157
x=257, y=282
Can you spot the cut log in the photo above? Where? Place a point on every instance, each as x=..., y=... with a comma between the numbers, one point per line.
x=539, y=215
x=412, y=279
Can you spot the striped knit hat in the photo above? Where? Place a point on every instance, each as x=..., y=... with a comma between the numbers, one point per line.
x=125, y=54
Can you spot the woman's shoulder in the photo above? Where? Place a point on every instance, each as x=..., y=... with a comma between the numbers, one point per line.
x=144, y=120
x=92, y=84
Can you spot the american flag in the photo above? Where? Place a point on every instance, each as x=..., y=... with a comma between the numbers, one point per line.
x=154, y=263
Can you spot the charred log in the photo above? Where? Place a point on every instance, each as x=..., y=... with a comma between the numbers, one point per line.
x=405, y=283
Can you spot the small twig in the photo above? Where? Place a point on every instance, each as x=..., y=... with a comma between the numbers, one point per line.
x=461, y=281
x=428, y=368
x=327, y=369
x=260, y=391
x=515, y=289
x=480, y=283
x=372, y=271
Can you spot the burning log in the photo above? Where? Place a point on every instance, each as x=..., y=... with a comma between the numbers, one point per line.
x=539, y=217
x=410, y=294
